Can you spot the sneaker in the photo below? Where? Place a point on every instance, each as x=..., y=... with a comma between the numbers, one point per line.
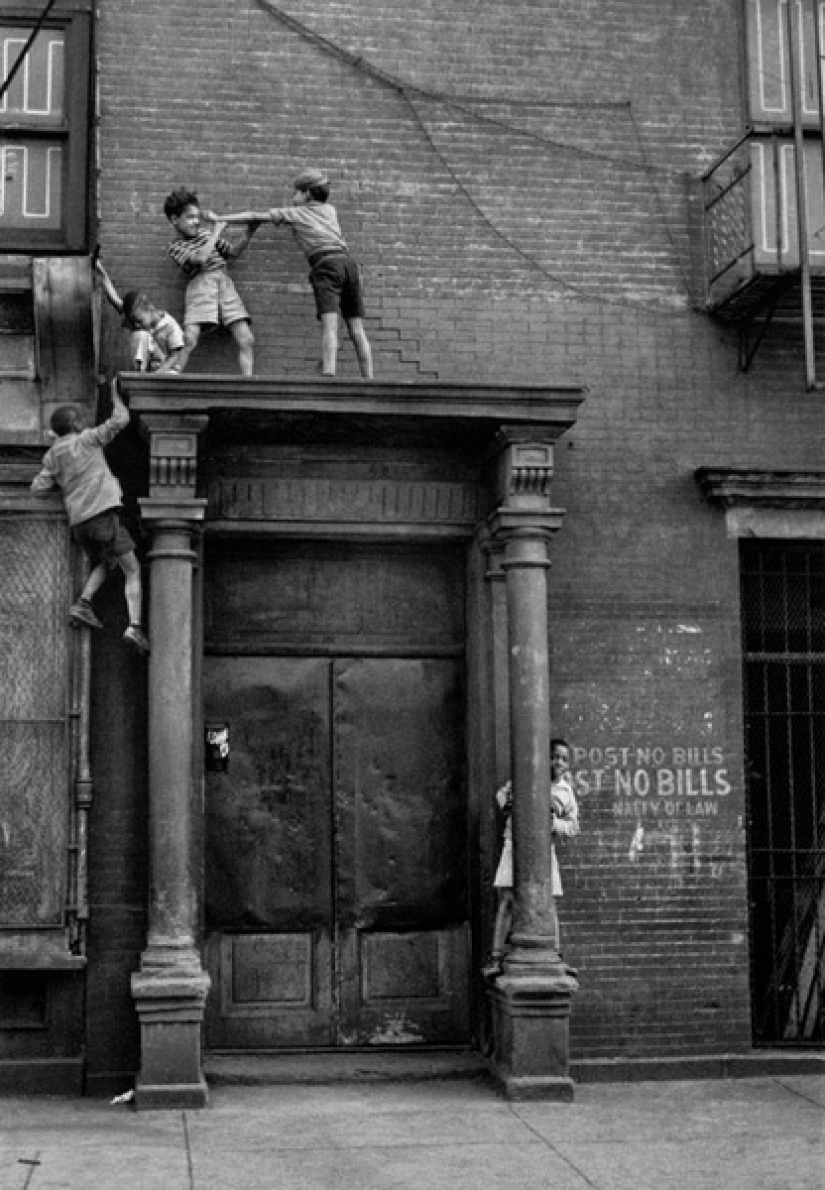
x=137, y=638
x=81, y=613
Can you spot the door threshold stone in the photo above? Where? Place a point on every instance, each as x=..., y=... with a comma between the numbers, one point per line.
x=224, y=1068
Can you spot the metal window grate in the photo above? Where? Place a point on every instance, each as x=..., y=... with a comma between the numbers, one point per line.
x=34, y=738
x=783, y=628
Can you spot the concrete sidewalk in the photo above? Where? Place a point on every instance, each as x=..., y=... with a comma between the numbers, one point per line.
x=753, y=1134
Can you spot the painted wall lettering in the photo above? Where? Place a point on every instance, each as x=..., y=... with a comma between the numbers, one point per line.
x=683, y=781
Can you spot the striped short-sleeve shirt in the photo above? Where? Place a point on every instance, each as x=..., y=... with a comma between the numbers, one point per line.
x=182, y=250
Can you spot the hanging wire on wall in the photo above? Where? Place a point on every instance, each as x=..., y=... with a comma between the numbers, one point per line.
x=21, y=57
x=409, y=92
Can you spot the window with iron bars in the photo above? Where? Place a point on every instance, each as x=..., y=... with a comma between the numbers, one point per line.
x=783, y=629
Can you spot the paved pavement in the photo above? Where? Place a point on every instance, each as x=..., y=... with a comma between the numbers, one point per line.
x=754, y=1134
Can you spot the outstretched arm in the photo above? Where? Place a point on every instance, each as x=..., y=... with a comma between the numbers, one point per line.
x=242, y=244
x=175, y=361
x=117, y=421
x=201, y=254
x=239, y=217
x=44, y=482
x=108, y=287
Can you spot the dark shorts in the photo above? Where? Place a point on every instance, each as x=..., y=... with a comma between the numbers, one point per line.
x=103, y=538
x=336, y=282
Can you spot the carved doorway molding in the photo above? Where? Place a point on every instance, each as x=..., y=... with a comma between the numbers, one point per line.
x=401, y=466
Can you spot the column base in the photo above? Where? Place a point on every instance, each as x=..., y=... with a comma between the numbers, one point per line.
x=556, y=1090
x=170, y=1004
x=531, y=1016
x=165, y=1096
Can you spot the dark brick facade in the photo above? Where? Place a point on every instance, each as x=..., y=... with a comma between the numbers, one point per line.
x=514, y=177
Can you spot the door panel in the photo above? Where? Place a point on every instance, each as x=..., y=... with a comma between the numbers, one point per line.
x=336, y=891
x=269, y=990
x=268, y=853
x=400, y=834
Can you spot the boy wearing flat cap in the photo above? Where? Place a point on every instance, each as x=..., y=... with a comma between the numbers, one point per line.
x=333, y=273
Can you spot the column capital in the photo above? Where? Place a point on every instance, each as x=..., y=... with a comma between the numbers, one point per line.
x=523, y=467
x=511, y=522
x=492, y=551
x=176, y=514
x=173, y=453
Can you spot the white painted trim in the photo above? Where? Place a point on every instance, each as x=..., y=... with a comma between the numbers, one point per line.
x=786, y=523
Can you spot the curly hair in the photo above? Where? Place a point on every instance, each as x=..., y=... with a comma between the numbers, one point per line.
x=176, y=202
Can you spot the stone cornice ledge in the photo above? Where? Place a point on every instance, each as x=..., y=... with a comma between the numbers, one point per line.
x=749, y=488
x=553, y=408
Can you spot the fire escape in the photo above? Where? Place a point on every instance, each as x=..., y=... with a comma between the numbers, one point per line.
x=764, y=223
x=764, y=198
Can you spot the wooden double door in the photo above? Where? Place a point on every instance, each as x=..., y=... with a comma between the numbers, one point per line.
x=336, y=875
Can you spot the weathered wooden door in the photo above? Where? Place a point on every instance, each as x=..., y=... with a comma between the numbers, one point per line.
x=268, y=891
x=336, y=887
x=399, y=833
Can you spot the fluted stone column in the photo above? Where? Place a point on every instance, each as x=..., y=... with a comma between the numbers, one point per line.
x=531, y=997
x=171, y=986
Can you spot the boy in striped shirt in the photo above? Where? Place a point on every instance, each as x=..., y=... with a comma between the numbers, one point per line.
x=211, y=297
x=334, y=276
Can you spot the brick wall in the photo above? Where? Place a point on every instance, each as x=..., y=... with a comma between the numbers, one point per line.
x=513, y=176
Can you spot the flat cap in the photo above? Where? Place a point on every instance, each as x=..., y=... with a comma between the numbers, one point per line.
x=308, y=178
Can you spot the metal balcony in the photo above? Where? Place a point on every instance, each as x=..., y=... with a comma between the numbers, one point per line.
x=755, y=247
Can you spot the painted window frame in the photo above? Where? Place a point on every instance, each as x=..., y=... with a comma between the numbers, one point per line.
x=767, y=68
x=74, y=17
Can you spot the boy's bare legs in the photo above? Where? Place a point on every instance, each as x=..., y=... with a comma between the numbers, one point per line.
x=94, y=582
x=130, y=566
x=501, y=931
x=242, y=334
x=504, y=922
x=191, y=337
x=82, y=611
x=141, y=343
x=329, y=343
x=361, y=343
x=134, y=634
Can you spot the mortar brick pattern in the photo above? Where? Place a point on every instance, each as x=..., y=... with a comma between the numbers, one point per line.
x=533, y=229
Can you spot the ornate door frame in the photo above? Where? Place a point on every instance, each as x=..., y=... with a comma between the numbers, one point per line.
x=500, y=440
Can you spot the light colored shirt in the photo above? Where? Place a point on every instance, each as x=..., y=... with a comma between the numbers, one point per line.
x=77, y=466
x=152, y=348
x=564, y=823
x=564, y=808
x=315, y=226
